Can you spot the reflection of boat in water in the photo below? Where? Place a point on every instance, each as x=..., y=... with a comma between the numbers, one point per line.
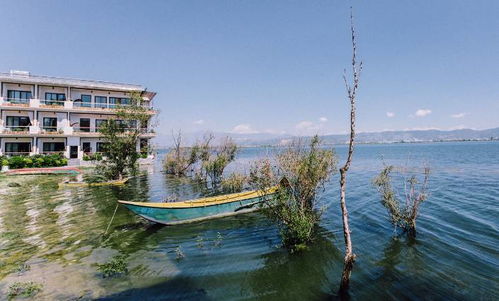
x=199, y=209
x=82, y=184
x=44, y=171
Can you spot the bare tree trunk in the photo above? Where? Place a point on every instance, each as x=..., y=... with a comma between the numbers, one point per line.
x=352, y=91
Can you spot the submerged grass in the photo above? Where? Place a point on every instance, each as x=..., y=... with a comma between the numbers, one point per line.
x=24, y=289
x=117, y=266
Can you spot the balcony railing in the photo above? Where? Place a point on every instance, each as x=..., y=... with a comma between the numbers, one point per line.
x=51, y=130
x=61, y=152
x=68, y=104
x=110, y=106
x=83, y=129
x=17, y=153
x=17, y=101
x=52, y=103
x=17, y=129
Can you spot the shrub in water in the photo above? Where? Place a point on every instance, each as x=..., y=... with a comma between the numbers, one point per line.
x=24, y=289
x=233, y=183
x=304, y=170
x=117, y=266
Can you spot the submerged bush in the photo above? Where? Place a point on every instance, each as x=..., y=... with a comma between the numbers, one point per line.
x=94, y=177
x=117, y=266
x=24, y=289
x=233, y=183
x=402, y=215
x=302, y=172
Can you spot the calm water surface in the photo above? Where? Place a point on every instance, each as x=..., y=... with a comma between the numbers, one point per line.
x=60, y=235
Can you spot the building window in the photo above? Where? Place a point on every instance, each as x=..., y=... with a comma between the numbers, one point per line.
x=50, y=124
x=144, y=145
x=17, y=148
x=100, y=101
x=118, y=101
x=86, y=147
x=101, y=147
x=55, y=99
x=15, y=96
x=84, y=124
x=85, y=101
x=53, y=147
x=98, y=123
x=18, y=123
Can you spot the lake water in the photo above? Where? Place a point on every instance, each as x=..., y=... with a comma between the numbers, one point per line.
x=60, y=235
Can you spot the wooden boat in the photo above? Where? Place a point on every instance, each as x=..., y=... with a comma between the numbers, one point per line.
x=44, y=171
x=83, y=184
x=199, y=209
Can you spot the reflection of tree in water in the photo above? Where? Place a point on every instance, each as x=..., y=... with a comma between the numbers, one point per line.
x=306, y=275
x=400, y=266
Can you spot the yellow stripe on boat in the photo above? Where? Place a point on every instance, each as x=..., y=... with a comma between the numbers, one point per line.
x=209, y=201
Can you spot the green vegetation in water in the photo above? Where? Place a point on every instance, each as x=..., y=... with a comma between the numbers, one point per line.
x=205, y=162
x=117, y=266
x=22, y=267
x=94, y=177
x=402, y=215
x=179, y=253
x=200, y=242
x=301, y=170
x=24, y=289
x=218, y=240
x=120, y=138
x=233, y=183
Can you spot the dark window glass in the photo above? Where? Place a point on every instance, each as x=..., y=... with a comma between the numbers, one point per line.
x=100, y=101
x=86, y=147
x=18, y=123
x=85, y=101
x=101, y=147
x=53, y=146
x=144, y=143
x=17, y=148
x=117, y=101
x=50, y=124
x=55, y=99
x=98, y=123
x=85, y=124
x=15, y=96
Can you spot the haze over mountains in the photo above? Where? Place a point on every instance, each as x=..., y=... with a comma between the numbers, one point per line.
x=366, y=137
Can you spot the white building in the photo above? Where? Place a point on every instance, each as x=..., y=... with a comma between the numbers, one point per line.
x=42, y=115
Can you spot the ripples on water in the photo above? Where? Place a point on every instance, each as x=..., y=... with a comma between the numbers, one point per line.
x=60, y=234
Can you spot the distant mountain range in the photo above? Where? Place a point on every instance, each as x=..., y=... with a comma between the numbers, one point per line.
x=411, y=136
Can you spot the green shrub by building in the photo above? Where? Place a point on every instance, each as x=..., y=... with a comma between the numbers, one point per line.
x=16, y=162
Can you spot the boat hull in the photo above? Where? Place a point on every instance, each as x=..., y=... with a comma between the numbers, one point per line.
x=172, y=216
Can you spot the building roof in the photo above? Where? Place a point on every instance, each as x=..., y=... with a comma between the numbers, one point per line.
x=26, y=77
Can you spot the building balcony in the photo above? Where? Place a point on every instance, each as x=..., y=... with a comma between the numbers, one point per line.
x=15, y=102
x=51, y=131
x=16, y=130
x=65, y=106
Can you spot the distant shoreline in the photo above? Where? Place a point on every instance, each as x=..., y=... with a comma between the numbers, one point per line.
x=370, y=143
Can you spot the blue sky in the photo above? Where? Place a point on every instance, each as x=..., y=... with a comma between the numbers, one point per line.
x=273, y=66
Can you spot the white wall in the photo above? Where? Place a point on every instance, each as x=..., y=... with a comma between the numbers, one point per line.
x=44, y=89
x=61, y=118
x=74, y=118
x=19, y=87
